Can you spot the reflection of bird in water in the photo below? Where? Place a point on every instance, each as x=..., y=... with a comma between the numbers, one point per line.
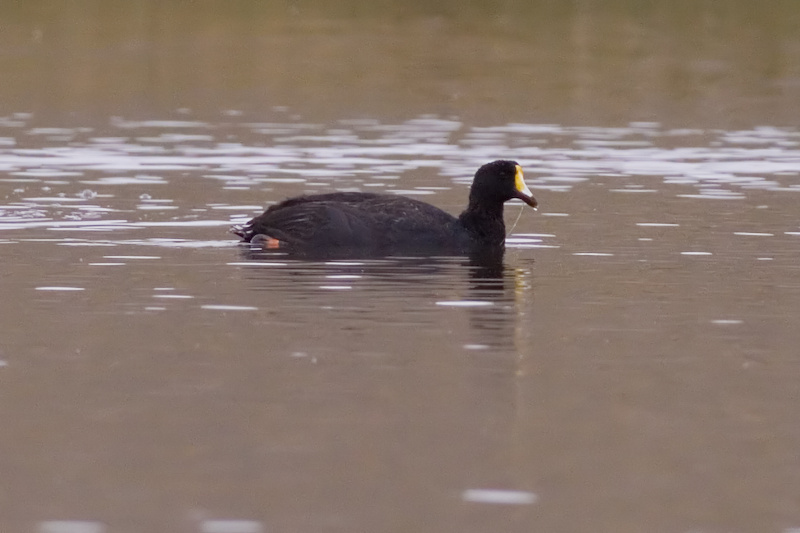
x=350, y=223
x=505, y=290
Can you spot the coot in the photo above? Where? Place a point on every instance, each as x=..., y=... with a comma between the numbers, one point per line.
x=385, y=223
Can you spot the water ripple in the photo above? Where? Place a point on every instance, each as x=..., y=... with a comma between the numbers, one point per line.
x=356, y=154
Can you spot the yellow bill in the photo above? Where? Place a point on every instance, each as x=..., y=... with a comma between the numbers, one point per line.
x=522, y=190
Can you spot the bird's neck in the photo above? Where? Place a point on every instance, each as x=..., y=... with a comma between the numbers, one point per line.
x=485, y=222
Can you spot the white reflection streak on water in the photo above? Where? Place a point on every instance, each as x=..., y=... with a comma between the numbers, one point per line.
x=71, y=526
x=501, y=497
x=231, y=526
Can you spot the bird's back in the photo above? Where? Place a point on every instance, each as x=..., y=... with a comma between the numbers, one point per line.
x=367, y=221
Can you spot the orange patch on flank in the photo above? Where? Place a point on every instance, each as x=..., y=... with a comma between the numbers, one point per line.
x=272, y=243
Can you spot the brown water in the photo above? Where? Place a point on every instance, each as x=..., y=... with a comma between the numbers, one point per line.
x=632, y=365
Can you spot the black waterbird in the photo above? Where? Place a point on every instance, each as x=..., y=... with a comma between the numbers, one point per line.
x=375, y=224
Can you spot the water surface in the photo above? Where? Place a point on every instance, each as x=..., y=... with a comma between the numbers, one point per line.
x=629, y=365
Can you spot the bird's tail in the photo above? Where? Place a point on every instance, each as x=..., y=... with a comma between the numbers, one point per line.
x=245, y=231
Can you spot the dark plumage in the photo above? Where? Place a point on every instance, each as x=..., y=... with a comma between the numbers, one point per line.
x=384, y=223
